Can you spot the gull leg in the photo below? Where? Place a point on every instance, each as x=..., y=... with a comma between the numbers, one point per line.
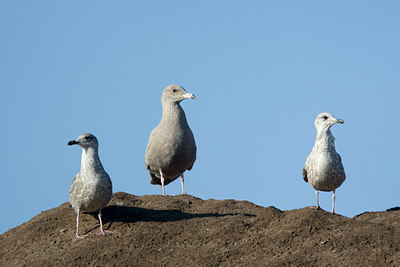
x=317, y=207
x=77, y=236
x=182, y=182
x=101, y=231
x=333, y=202
x=317, y=194
x=162, y=183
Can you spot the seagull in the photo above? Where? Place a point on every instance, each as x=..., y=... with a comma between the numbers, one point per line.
x=91, y=188
x=323, y=168
x=171, y=149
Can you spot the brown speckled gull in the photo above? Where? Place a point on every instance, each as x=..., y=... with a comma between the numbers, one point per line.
x=171, y=149
x=91, y=188
x=323, y=168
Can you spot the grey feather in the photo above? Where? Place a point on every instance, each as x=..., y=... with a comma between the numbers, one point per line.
x=91, y=188
x=305, y=174
x=323, y=168
x=171, y=147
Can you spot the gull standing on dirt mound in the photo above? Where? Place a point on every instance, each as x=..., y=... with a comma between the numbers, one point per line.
x=323, y=168
x=91, y=188
x=171, y=149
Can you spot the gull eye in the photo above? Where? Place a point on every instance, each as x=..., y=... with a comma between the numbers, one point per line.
x=325, y=117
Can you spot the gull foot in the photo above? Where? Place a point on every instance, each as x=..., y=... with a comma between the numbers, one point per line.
x=315, y=207
x=79, y=237
x=104, y=232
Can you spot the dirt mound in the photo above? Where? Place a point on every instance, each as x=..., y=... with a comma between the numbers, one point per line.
x=187, y=231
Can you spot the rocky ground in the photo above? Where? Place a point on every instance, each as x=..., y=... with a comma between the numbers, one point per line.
x=188, y=231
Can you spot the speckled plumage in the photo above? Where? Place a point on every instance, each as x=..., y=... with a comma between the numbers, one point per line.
x=91, y=188
x=323, y=168
x=171, y=149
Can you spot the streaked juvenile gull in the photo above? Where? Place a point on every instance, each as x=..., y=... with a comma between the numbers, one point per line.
x=91, y=188
x=323, y=168
x=171, y=149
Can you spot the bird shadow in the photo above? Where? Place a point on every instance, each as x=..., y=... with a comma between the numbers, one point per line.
x=113, y=213
x=394, y=209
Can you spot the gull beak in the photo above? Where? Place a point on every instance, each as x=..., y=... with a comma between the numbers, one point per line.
x=340, y=121
x=73, y=142
x=188, y=95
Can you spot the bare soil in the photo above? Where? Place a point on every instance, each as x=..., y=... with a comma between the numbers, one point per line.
x=187, y=231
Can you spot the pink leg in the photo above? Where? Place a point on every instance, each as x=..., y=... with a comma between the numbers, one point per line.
x=182, y=182
x=162, y=183
x=333, y=202
x=317, y=194
x=317, y=207
x=77, y=236
x=101, y=231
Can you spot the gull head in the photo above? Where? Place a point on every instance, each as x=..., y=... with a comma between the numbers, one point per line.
x=324, y=121
x=175, y=93
x=85, y=141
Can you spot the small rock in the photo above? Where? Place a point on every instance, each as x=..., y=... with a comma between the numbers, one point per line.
x=324, y=242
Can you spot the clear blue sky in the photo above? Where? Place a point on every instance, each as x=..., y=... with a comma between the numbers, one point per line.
x=261, y=71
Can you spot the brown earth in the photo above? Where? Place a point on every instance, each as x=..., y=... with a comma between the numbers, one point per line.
x=187, y=231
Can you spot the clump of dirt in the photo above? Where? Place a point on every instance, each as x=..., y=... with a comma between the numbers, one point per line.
x=187, y=231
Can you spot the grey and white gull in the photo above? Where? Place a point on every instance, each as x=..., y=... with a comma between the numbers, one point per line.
x=323, y=168
x=171, y=149
x=91, y=188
